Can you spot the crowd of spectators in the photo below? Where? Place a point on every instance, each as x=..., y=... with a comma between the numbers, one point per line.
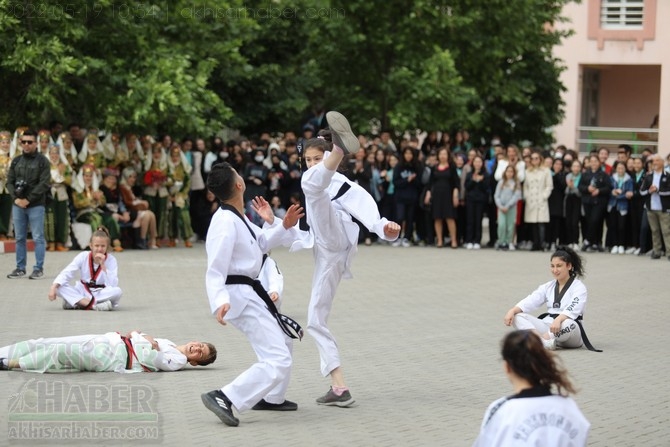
x=150, y=191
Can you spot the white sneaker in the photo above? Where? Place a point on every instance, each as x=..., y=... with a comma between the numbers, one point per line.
x=576, y=248
x=405, y=242
x=476, y=246
x=553, y=247
x=469, y=246
x=621, y=250
x=105, y=305
x=615, y=250
x=396, y=243
x=630, y=251
x=511, y=247
x=637, y=251
x=549, y=344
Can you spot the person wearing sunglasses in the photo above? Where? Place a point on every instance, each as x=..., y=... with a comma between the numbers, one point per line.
x=28, y=183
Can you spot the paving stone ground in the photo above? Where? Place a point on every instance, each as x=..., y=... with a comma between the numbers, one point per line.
x=419, y=330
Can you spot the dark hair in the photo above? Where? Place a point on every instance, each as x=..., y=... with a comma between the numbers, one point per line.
x=322, y=144
x=483, y=167
x=568, y=255
x=212, y=355
x=221, y=181
x=617, y=163
x=29, y=133
x=414, y=164
x=527, y=357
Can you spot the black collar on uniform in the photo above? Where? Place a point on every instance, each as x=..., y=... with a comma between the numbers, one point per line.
x=536, y=391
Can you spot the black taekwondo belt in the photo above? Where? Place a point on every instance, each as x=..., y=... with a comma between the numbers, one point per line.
x=287, y=324
x=578, y=320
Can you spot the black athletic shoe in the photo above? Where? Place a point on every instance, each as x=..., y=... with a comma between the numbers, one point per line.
x=655, y=255
x=36, y=274
x=219, y=404
x=287, y=405
x=16, y=274
x=342, y=135
x=3, y=367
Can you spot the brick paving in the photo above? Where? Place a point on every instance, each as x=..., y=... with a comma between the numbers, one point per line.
x=419, y=331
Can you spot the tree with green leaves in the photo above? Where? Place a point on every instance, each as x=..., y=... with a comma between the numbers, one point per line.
x=116, y=64
x=194, y=66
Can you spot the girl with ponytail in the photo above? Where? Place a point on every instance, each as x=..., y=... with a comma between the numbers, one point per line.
x=540, y=411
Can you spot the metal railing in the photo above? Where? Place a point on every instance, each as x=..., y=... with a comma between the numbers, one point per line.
x=591, y=138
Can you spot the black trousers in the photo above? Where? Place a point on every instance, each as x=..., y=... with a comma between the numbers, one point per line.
x=595, y=218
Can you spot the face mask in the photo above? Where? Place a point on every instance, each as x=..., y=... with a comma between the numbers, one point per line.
x=259, y=158
x=223, y=155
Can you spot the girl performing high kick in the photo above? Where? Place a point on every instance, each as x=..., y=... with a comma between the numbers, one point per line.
x=331, y=201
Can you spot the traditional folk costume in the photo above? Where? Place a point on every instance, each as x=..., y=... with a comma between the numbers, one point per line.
x=131, y=146
x=57, y=223
x=87, y=206
x=533, y=417
x=331, y=200
x=235, y=248
x=93, y=153
x=110, y=352
x=68, y=152
x=571, y=301
x=179, y=180
x=117, y=154
x=5, y=197
x=14, y=147
x=44, y=141
x=101, y=285
x=155, y=190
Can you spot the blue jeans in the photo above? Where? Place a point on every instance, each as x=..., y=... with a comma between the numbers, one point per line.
x=21, y=217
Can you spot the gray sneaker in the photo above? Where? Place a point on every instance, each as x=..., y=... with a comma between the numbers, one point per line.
x=16, y=274
x=36, y=274
x=105, y=305
x=342, y=135
x=67, y=306
x=330, y=398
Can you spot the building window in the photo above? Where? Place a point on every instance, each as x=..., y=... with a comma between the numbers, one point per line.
x=622, y=14
x=623, y=20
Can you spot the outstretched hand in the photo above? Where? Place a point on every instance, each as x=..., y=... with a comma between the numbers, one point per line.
x=221, y=313
x=293, y=215
x=53, y=292
x=392, y=231
x=263, y=209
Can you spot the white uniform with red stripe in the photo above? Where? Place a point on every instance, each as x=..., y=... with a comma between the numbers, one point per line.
x=95, y=353
x=88, y=271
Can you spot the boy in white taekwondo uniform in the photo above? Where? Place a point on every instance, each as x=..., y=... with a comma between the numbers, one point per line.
x=235, y=248
x=135, y=352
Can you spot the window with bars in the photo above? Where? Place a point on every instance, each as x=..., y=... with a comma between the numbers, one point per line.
x=621, y=14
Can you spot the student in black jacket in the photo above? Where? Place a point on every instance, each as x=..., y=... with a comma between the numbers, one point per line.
x=595, y=187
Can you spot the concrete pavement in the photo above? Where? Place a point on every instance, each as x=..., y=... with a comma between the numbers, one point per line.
x=419, y=331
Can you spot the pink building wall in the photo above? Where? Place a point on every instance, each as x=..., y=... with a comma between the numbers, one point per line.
x=578, y=51
x=629, y=95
